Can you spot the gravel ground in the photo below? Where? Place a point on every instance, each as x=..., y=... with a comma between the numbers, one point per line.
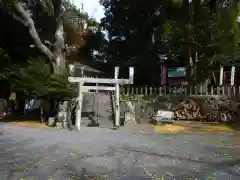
x=128, y=155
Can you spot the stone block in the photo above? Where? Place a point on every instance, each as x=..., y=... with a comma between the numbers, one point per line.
x=51, y=121
x=164, y=116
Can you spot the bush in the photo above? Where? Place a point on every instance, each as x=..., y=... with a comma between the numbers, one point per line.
x=36, y=81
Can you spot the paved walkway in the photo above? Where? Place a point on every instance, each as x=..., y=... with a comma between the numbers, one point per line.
x=59, y=154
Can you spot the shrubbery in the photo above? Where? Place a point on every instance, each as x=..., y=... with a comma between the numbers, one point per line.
x=37, y=81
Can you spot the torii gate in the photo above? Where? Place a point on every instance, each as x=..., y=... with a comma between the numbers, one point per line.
x=117, y=82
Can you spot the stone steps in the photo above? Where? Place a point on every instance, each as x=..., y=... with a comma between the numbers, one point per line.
x=98, y=105
x=104, y=113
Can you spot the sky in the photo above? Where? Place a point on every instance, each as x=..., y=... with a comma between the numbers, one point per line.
x=92, y=7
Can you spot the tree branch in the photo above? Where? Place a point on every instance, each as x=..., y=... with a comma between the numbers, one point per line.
x=59, y=33
x=47, y=6
x=29, y=23
x=58, y=9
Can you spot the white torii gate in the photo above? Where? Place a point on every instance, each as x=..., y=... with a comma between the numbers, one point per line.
x=117, y=82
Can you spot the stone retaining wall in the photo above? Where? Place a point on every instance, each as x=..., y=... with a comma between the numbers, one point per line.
x=211, y=108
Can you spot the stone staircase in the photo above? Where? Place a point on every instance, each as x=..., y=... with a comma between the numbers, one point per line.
x=104, y=110
x=97, y=106
x=88, y=107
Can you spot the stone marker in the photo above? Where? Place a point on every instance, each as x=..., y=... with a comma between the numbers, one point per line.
x=51, y=121
x=3, y=107
x=129, y=118
x=62, y=114
x=164, y=116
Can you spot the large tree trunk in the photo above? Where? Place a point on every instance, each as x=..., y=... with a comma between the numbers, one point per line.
x=57, y=56
x=191, y=9
x=28, y=22
x=59, y=65
x=191, y=65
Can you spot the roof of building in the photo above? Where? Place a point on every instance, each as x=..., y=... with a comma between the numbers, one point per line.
x=86, y=68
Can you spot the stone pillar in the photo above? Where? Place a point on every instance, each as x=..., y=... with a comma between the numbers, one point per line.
x=129, y=116
x=62, y=115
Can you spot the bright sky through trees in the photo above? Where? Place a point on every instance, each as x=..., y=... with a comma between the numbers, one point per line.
x=92, y=7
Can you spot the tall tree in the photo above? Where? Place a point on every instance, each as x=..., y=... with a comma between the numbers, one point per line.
x=133, y=27
x=211, y=36
x=51, y=25
x=191, y=31
x=38, y=16
x=26, y=11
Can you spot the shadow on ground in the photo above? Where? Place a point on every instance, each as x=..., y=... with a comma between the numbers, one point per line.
x=234, y=125
x=29, y=116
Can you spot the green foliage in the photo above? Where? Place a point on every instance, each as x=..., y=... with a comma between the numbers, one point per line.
x=5, y=65
x=73, y=15
x=36, y=80
x=60, y=88
x=140, y=31
x=177, y=3
x=140, y=99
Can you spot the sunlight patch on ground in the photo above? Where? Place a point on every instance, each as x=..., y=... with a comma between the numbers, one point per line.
x=170, y=128
x=30, y=124
x=219, y=128
x=184, y=128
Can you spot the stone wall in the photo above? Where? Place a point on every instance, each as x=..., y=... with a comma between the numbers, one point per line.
x=195, y=108
x=99, y=107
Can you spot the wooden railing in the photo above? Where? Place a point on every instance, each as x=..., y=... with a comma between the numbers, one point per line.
x=231, y=91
